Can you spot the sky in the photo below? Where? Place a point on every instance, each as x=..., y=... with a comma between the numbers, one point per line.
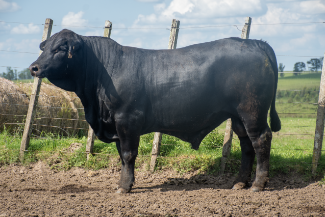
x=295, y=29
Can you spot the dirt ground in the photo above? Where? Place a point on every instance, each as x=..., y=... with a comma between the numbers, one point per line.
x=39, y=191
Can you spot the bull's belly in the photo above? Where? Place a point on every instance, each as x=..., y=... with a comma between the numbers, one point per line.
x=191, y=123
x=195, y=133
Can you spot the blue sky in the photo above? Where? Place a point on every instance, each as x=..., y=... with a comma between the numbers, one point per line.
x=145, y=24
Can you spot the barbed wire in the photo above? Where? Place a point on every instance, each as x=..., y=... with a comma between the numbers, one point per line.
x=44, y=106
x=299, y=90
x=43, y=125
x=186, y=27
x=308, y=103
x=13, y=66
x=38, y=53
x=47, y=96
x=18, y=52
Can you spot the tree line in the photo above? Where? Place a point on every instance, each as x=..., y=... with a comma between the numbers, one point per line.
x=314, y=65
x=13, y=74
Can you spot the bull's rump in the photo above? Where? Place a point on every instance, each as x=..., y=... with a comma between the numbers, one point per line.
x=194, y=87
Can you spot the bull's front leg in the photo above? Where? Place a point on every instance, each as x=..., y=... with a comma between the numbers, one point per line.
x=128, y=150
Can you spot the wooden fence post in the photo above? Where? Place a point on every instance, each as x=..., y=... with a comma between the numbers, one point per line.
x=319, y=131
x=33, y=98
x=91, y=134
x=229, y=133
x=172, y=44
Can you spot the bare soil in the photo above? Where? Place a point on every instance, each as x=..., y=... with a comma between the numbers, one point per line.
x=39, y=191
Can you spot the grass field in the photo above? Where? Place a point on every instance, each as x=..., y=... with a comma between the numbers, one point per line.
x=292, y=147
x=297, y=82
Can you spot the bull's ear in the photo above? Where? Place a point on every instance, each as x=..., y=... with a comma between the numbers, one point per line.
x=42, y=45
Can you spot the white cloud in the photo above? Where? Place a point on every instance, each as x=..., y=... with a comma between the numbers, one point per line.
x=22, y=29
x=312, y=7
x=159, y=7
x=25, y=45
x=194, y=11
x=304, y=40
x=277, y=15
x=4, y=26
x=6, y=6
x=74, y=21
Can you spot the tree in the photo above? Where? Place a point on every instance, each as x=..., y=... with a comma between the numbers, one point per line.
x=10, y=74
x=25, y=74
x=315, y=64
x=299, y=67
x=281, y=68
x=14, y=74
x=321, y=62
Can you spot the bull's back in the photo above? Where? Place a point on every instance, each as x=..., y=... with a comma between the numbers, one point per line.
x=191, y=84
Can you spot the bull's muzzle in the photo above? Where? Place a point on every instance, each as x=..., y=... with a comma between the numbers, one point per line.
x=35, y=70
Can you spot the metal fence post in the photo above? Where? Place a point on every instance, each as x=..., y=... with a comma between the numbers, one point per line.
x=229, y=133
x=319, y=131
x=172, y=44
x=91, y=134
x=33, y=98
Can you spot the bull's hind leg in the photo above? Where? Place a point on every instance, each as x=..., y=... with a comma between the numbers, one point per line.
x=260, y=134
x=247, y=154
x=261, y=139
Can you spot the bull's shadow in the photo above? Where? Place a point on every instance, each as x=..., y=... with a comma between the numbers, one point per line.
x=291, y=176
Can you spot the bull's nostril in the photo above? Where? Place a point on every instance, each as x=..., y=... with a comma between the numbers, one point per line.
x=35, y=68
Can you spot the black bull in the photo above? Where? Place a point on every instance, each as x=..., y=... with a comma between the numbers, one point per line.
x=127, y=92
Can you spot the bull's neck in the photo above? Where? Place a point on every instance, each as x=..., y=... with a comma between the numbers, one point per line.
x=99, y=59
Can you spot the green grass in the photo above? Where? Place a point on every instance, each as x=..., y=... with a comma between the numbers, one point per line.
x=289, y=153
x=292, y=82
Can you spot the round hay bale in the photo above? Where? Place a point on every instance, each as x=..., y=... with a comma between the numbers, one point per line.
x=13, y=106
x=57, y=112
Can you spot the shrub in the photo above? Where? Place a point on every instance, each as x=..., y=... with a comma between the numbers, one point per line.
x=297, y=98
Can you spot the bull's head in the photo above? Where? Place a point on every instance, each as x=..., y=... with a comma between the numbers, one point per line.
x=62, y=54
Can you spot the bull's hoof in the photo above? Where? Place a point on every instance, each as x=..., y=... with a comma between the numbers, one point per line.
x=256, y=189
x=239, y=185
x=122, y=191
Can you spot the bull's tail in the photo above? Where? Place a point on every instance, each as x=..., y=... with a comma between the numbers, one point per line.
x=275, y=122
